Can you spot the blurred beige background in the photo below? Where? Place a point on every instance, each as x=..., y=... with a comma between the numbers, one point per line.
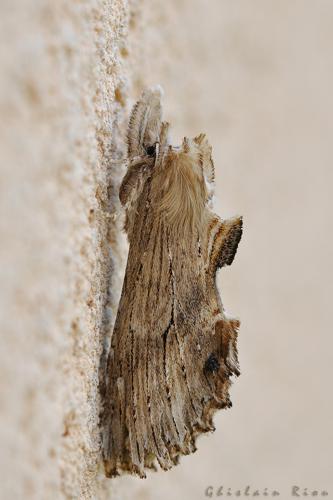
x=257, y=77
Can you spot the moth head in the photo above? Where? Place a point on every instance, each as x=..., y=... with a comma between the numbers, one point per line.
x=145, y=123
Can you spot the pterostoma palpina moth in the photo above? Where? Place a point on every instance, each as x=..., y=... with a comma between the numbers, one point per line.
x=173, y=349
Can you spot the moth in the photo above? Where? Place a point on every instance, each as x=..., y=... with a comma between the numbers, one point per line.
x=173, y=349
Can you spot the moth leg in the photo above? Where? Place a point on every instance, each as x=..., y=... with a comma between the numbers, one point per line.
x=132, y=177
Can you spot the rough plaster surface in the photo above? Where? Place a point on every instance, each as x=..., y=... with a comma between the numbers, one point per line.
x=61, y=108
x=257, y=78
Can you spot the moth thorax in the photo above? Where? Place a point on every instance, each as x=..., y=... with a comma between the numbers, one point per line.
x=182, y=190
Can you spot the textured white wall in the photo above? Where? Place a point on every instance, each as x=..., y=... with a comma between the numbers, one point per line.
x=62, y=79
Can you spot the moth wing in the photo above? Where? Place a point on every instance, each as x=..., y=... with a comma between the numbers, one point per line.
x=224, y=240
